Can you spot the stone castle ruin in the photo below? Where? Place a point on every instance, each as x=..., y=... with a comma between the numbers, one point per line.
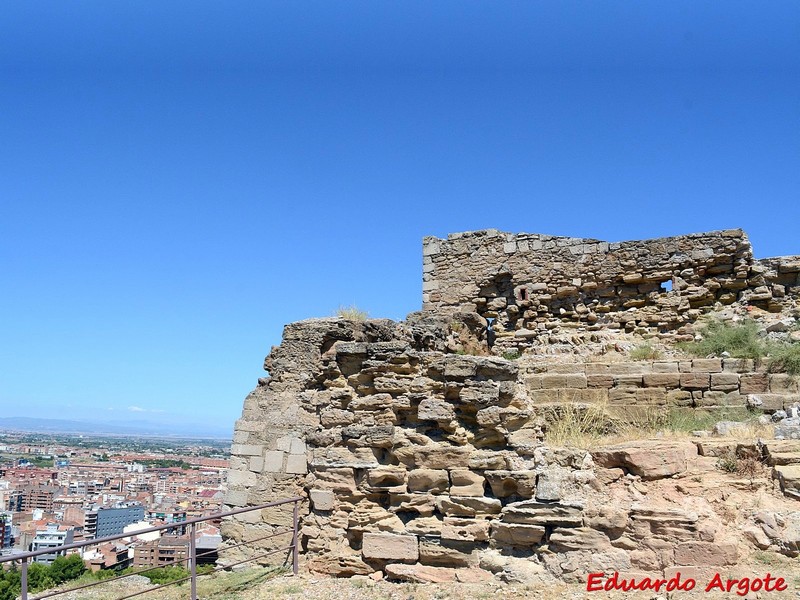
x=421, y=445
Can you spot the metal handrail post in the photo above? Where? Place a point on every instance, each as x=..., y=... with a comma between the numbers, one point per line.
x=193, y=559
x=295, y=550
x=24, y=580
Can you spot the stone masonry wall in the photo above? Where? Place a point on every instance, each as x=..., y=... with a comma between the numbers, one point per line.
x=529, y=284
x=414, y=458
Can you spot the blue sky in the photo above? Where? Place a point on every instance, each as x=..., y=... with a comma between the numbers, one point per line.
x=179, y=180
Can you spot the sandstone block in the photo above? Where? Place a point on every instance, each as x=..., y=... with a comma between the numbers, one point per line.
x=707, y=365
x=649, y=460
x=425, y=527
x=447, y=553
x=754, y=383
x=706, y=553
x=247, y=449
x=467, y=506
x=515, y=534
x=465, y=530
x=628, y=380
x=695, y=381
x=441, y=457
x=434, y=481
x=578, y=538
x=665, y=367
x=738, y=365
x=464, y=482
x=724, y=382
x=662, y=380
x=532, y=512
x=322, y=499
x=387, y=477
x=296, y=464
x=600, y=381
x=420, y=573
x=390, y=546
x=431, y=409
x=512, y=483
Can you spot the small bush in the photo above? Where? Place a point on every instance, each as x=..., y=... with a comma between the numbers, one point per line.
x=511, y=355
x=645, y=352
x=352, y=313
x=785, y=358
x=739, y=340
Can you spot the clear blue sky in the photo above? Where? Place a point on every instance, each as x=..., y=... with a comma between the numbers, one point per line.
x=178, y=180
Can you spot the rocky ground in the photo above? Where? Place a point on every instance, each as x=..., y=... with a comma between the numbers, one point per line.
x=259, y=584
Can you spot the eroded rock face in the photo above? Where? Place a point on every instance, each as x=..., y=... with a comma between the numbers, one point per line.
x=422, y=461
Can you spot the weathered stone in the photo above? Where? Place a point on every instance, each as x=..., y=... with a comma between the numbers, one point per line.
x=532, y=512
x=578, y=538
x=388, y=546
x=464, y=482
x=512, y=483
x=465, y=530
x=706, y=553
x=754, y=383
x=516, y=534
x=434, y=481
x=467, y=506
x=420, y=573
x=447, y=553
x=431, y=409
x=649, y=460
x=441, y=457
x=322, y=499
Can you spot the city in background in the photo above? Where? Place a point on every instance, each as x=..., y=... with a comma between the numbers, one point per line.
x=60, y=489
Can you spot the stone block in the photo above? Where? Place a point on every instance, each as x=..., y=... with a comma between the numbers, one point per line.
x=247, y=449
x=241, y=478
x=441, y=457
x=322, y=499
x=514, y=534
x=432, y=409
x=256, y=464
x=297, y=446
x=738, y=365
x=567, y=368
x=600, y=381
x=651, y=396
x=706, y=553
x=464, y=482
x=433, y=481
x=754, y=383
x=338, y=479
x=296, y=464
x=695, y=381
x=665, y=367
x=236, y=498
x=390, y=546
x=465, y=530
x=781, y=383
x=679, y=398
x=468, y=506
x=634, y=380
x=707, y=365
x=512, y=483
x=387, y=477
x=663, y=380
x=628, y=368
x=558, y=381
x=447, y=553
x=724, y=382
x=273, y=462
x=578, y=538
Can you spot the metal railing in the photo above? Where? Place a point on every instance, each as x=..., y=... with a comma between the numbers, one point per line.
x=25, y=557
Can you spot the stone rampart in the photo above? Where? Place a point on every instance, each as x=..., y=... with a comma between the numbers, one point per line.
x=528, y=284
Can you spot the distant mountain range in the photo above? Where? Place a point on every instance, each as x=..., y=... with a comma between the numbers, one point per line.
x=182, y=430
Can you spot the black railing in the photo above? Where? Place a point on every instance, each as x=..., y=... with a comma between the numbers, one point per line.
x=25, y=558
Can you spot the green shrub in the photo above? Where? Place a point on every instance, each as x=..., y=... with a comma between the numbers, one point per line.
x=645, y=352
x=352, y=313
x=511, y=355
x=785, y=358
x=740, y=340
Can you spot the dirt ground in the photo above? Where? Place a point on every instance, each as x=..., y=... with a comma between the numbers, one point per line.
x=262, y=584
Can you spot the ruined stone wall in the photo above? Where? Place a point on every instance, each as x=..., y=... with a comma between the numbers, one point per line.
x=529, y=284
x=411, y=457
